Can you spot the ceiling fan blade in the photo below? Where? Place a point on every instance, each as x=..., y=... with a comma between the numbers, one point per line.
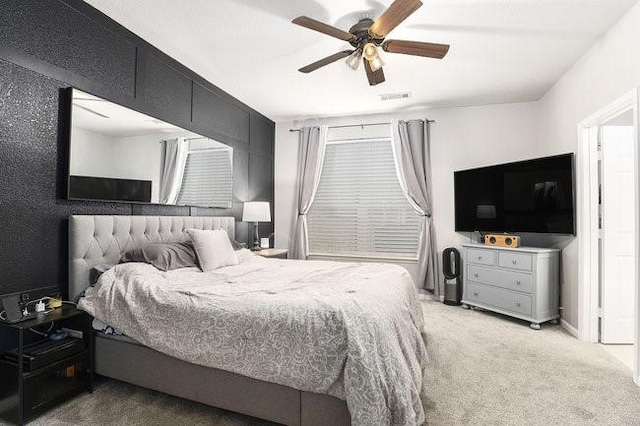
x=394, y=15
x=374, y=77
x=323, y=28
x=325, y=61
x=428, y=50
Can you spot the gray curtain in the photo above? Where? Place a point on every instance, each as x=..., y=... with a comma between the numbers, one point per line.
x=174, y=157
x=310, y=157
x=411, y=147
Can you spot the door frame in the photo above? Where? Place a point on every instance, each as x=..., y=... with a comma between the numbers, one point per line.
x=587, y=220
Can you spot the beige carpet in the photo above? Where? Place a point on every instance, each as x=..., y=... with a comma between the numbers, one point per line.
x=485, y=370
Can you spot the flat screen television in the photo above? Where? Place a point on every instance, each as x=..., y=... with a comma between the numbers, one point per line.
x=526, y=196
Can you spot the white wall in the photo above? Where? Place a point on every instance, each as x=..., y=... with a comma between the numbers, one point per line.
x=605, y=73
x=461, y=138
x=86, y=149
x=138, y=157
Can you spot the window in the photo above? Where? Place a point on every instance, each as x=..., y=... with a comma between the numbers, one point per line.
x=206, y=169
x=359, y=208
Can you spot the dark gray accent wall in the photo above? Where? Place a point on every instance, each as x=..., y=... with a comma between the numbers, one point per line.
x=215, y=115
x=165, y=91
x=57, y=33
x=47, y=46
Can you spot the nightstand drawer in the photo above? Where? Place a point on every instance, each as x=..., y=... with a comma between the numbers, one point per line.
x=48, y=386
x=521, y=261
x=504, y=299
x=481, y=257
x=500, y=278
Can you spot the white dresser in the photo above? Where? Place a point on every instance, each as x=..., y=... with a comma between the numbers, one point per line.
x=520, y=282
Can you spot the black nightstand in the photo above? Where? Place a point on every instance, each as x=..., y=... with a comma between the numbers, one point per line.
x=31, y=387
x=272, y=253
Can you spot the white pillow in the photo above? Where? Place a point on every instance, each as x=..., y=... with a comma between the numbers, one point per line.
x=213, y=249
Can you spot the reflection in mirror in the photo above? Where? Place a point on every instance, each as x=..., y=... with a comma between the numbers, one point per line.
x=117, y=154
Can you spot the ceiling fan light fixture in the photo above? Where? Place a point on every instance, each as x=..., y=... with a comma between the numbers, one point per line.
x=369, y=51
x=367, y=35
x=376, y=63
x=354, y=60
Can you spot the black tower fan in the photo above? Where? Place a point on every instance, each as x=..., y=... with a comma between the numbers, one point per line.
x=451, y=270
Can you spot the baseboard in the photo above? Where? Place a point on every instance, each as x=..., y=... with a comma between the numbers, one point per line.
x=424, y=295
x=430, y=296
x=571, y=329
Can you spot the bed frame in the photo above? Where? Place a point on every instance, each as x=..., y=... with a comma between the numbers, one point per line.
x=102, y=239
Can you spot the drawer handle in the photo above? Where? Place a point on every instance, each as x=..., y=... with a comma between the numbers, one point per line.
x=475, y=274
x=517, y=282
x=518, y=304
x=515, y=262
x=475, y=293
x=479, y=257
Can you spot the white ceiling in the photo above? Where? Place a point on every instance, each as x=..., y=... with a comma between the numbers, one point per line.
x=501, y=50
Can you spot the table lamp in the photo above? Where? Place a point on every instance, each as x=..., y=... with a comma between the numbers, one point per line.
x=256, y=211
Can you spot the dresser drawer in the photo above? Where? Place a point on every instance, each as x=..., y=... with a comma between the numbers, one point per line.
x=504, y=299
x=501, y=278
x=481, y=257
x=521, y=261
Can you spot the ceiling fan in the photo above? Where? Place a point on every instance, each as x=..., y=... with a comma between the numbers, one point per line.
x=367, y=35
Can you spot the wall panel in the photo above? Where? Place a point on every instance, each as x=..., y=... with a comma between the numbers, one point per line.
x=261, y=185
x=164, y=91
x=58, y=34
x=262, y=132
x=219, y=118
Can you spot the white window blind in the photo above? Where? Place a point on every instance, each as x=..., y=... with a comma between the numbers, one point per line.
x=359, y=208
x=208, y=178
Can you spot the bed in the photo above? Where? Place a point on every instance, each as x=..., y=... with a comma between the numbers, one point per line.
x=276, y=382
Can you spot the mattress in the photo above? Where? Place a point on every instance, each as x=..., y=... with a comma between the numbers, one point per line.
x=349, y=330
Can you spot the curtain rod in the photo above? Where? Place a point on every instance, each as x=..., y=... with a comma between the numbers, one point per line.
x=358, y=125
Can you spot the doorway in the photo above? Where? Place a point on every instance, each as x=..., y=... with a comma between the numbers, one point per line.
x=616, y=208
x=608, y=200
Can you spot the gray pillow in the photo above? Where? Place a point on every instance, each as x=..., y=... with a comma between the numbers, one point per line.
x=164, y=256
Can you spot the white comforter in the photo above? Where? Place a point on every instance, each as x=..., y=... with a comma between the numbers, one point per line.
x=350, y=330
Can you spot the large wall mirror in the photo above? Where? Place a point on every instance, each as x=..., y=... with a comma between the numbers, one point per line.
x=117, y=154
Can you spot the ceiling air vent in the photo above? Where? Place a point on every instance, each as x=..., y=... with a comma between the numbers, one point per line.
x=394, y=96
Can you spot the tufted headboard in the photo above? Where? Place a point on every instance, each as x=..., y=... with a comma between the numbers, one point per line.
x=103, y=239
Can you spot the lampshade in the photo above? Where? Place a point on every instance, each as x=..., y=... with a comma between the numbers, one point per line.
x=354, y=59
x=369, y=51
x=256, y=211
x=376, y=63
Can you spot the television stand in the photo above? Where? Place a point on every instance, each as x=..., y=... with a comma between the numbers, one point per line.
x=519, y=282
